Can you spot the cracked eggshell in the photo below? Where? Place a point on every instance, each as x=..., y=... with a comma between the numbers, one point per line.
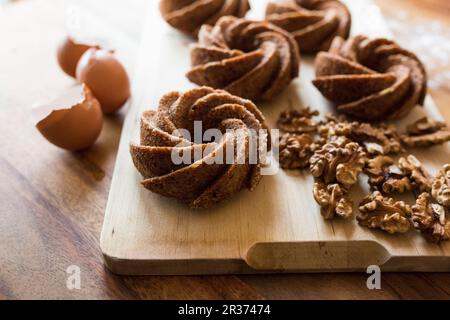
x=69, y=52
x=106, y=77
x=73, y=121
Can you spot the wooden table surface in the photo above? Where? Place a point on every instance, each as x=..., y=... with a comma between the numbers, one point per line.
x=52, y=202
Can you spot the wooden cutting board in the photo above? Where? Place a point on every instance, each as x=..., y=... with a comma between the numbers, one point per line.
x=277, y=227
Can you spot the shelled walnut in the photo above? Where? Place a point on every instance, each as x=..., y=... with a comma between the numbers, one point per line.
x=424, y=125
x=441, y=186
x=296, y=150
x=334, y=126
x=344, y=149
x=378, y=212
x=383, y=139
x=336, y=117
x=333, y=200
x=298, y=120
x=338, y=161
x=420, y=178
x=432, y=219
x=385, y=176
x=376, y=140
x=347, y=173
x=426, y=132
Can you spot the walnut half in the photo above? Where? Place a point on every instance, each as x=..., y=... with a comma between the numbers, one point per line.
x=296, y=150
x=298, y=120
x=338, y=161
x=385, y=176
x=381, y=139
x=432, y=219
x=333, y=200
x=420, y=178
x=426, y=132
x=378, y=212
x=441, y=186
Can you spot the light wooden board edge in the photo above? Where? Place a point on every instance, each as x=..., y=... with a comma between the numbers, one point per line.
x=271, y=258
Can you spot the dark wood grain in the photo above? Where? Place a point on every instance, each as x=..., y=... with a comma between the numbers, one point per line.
x=52, y=201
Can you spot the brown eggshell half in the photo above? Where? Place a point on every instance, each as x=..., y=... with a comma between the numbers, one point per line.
x=69, y=52
x=73, y=121
x=106, y=77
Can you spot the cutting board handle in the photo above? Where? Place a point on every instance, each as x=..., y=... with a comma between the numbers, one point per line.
x=316, y=255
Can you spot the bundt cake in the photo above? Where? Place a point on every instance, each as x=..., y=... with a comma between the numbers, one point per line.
x=210, y=171
x=189, y=15
x=254, y=60
x=313, y=23
x=370, y=79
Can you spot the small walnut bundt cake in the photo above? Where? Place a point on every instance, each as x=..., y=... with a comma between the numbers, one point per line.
x=210, y=171
x=313, y=23
x=189, y=15
x=371, y=79
x=254, y=60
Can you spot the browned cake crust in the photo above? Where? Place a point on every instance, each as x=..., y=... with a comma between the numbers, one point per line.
x=189, y=15
x=200, y=184
x=312, y=23
x=254, y=60
x=371, y=79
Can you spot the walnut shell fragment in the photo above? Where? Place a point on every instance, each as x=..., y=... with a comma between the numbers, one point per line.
x=296, y=150
x=441, y=186
x=298, y=120
x=426, y=132
x=338, y=161
x=384, y=176
x=432, y=219
x=378, y=212
x=333, y=200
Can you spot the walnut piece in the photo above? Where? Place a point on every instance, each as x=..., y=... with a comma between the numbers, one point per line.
x=441, y=186
x=338, y=161
x=423, y=126
x=416, y=172
x=333, y=200
x=426, y=132
x=383, y=139
x=347, y=172
x=385, y=176
x=296, y=150
x=334, y=127
x=378, y=212
x=432, y=219
x=376, y=140
x=298, y=120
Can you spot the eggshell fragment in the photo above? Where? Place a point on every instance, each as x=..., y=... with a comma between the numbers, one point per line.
x=69, y=53
x=106, y=77
x=73, y=121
